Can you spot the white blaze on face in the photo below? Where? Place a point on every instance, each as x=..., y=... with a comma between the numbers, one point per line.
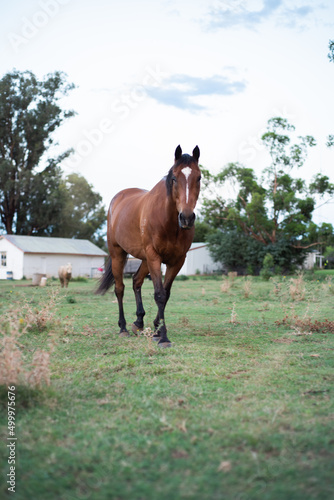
x=186, y=172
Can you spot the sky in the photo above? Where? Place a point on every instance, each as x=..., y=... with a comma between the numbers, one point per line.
x=150, y=75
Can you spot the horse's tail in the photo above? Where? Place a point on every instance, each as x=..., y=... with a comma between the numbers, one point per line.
x=107, y=279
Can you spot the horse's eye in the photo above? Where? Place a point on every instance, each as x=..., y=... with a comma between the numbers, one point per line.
x=199, y=178
x=174, y=179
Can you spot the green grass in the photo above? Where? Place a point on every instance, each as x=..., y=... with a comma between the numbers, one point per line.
x=234, y=410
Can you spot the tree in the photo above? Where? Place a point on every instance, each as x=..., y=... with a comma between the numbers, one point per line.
x=236, y=251
x=38, y=214
x=275, y=210
x=83, y=214
x=29, y=114
x=62, y=207
x=202, y=231
x=322, y=234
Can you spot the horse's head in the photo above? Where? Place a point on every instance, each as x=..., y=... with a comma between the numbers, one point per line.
x=183, y=185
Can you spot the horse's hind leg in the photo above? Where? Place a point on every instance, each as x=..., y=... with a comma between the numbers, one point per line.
x=138, y=280
x=118, y=262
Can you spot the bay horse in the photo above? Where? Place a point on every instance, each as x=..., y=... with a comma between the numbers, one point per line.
x=156, y=227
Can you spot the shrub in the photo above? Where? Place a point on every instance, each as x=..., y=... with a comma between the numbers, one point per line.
x=267, y=269
x=239, y=252
x=70, y=299
x=329, y=257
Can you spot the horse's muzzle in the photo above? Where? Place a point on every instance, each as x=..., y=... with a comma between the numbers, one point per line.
x=186, y=222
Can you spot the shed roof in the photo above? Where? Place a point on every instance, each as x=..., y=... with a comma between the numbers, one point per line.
x=40, y=244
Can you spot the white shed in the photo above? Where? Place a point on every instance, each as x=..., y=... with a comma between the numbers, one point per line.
x=199, y=260
x=23, y=256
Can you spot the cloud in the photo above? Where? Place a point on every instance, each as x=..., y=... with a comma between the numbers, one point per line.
x=292, y=17
x=232, y=13
x=180, y=90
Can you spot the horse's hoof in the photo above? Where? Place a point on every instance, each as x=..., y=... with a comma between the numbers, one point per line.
x=124, y=333
x=164, y=344
x=156, y=338
x=135, y=329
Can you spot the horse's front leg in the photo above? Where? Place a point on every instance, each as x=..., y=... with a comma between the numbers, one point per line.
x=138, y=280
x=157, y=321
x=170, y=275
x=160, y=297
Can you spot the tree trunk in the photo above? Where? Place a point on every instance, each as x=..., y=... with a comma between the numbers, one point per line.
x=9, y=225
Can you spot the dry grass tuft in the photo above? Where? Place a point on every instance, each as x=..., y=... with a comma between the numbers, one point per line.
x=149, y=345
x=15, y=366
x=308, y=325
x=40, y=318
x=226, y=285
x=228, y=281
x=247, y=287
x=40, y=372
x=234, y=315
x=184, y=322
x=297, y=288
x=277, y=287
x=11, y=362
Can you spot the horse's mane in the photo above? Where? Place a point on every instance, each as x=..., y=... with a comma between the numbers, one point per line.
x=185, y=159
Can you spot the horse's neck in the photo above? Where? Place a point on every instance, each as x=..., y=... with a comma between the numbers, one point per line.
x=164, y=205
x=171, y=211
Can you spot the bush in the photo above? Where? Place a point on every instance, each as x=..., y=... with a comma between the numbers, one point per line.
x=70, y=299
x=239, y=252
x=329, y=257
x=267, y=270
x=182, y=277
x=236, y=251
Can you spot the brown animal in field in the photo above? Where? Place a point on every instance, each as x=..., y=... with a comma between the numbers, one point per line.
x=156, y=227
x=65, y=274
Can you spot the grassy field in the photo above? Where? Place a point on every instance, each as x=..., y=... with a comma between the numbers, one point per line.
x=239, y=408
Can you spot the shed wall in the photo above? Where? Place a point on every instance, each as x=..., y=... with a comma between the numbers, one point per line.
x=14, y=260
x=198, y=259
x=82, y=265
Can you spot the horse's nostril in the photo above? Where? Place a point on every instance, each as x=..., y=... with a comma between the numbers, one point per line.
x=186, y=222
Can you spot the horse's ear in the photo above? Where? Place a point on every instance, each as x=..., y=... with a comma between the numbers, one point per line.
x=196, y=153
x=178, y=153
